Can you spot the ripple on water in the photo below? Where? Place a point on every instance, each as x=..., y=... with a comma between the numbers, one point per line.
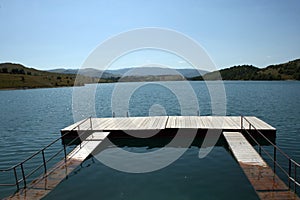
x=31, y=119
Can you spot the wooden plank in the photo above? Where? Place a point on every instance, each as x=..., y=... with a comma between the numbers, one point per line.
x=259, y=124
x=230, y=123
x=131, y=123
x=87, y=146
x=100, y=123
x=235, y=122
x=40, y=187
x=242, y=150
x=207, y=121
x=265, y=182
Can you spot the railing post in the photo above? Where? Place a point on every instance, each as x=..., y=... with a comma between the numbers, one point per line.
x=274, y=152
x=65, y=153
x=16, y=177
x=290, y=166
x=44, y=161
x=295, y=178
x=91, y=123
x=23, y=175
x=241, y=122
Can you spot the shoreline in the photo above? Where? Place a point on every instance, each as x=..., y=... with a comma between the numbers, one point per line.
x=30, y=88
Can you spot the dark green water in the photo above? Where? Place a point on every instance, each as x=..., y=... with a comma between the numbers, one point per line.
x=31, y=119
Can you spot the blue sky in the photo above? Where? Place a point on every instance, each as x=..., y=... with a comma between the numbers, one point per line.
x=56, y=33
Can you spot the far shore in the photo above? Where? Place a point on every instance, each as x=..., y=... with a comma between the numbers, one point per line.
x=30, y=88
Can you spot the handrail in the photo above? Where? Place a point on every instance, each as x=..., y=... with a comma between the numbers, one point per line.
x=44, y=160
x=291, y=178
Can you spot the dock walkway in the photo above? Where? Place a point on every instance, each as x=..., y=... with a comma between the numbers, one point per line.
x=265, y=182
x=41, y=186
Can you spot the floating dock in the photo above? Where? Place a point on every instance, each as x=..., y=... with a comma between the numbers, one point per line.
x=232, y=123
x=265, y=182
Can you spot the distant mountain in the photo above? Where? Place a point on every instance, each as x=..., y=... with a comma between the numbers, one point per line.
x=157, y=71
x=139, y=72
x=63, y=71
x=284, y=71
x=91, y=72
x=145, y=71
x=119, y=72
x=151, y=78
x=188, y=73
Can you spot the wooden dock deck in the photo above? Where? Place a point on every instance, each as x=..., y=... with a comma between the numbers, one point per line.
x=41, y=186
x=169, y=122
x=266, y=183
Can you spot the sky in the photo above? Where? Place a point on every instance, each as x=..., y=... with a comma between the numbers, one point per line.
x=62, y=33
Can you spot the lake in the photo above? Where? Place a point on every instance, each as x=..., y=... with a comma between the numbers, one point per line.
x=30, y=119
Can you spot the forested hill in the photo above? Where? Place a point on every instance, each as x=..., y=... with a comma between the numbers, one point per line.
x=17, y=76
x=284, y=71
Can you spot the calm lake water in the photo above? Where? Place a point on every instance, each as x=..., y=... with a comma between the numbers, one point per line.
x=31, y=119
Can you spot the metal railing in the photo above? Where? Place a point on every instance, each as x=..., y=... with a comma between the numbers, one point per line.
x=21, y=165
x=292, y=165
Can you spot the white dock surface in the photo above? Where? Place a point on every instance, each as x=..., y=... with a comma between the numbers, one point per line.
x=169, y=122
x=242, y=149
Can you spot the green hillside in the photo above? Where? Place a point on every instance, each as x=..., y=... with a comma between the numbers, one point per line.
x=243, y=72
x=285, y=71
x=16, y=76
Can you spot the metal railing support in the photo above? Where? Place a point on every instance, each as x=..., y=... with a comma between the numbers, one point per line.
x=16, y=178
x=242, y=123
x=65, y=153
x=44, y=161
x=91, y=125
x=290, y=170
x=44, y=164
x=23, y=175
x=274, y=158
x=295, y=177
x=292, y=175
